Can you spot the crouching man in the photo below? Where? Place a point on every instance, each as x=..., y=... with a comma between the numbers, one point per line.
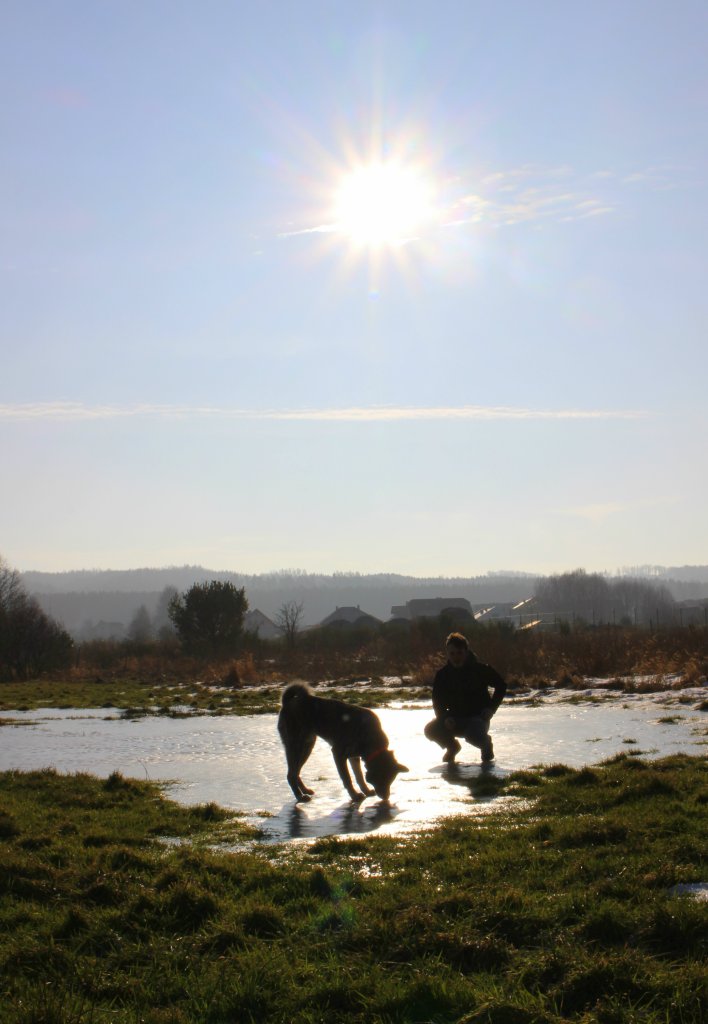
x=462, y=702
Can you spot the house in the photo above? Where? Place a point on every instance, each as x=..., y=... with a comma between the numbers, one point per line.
x=258, y=623
x=691, y=612
x=102, y=630
x=503, y=610
x=350, y=616
x=431, y=607
x=522, y=614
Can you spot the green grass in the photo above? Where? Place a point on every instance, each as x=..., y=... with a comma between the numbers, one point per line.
x=140, y=697
x=558, y=910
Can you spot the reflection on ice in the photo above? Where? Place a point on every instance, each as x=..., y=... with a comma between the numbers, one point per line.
x=239, y=762
x=345, y=819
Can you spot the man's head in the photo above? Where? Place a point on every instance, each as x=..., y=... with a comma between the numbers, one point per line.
x=457, y=649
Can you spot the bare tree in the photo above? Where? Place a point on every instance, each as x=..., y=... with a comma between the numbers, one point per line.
x=288, y=619
x=11, y=589
x=594, y=598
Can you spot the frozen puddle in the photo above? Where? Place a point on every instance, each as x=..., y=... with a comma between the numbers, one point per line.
x=239, y=762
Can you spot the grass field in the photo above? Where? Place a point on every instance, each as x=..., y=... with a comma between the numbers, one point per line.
x=177, y=697
x=141, y=697
x=131, y=693
x=118, y=905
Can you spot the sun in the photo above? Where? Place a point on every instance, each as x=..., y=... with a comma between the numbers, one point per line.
x=382, y=204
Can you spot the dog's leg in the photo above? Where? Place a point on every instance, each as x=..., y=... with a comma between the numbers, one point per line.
x=307, y=748
x=341, y=763
x=359, y=776
x=296, y=755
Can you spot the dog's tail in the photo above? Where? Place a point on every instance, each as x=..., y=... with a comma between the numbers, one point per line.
x=294, y=691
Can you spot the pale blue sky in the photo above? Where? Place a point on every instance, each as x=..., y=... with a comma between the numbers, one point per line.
x=199, y=365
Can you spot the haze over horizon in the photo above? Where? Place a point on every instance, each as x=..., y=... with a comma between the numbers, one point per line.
x=187, y=574
x=410, y=286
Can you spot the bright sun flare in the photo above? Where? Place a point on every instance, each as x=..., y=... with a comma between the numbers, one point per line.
x=382, y=204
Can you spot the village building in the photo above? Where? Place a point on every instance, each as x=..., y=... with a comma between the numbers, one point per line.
x=349, y=616
x=431, y=607
x=691, y=613
x=264, y=628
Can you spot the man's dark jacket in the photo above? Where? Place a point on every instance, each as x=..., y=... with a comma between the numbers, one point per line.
x=464, y=692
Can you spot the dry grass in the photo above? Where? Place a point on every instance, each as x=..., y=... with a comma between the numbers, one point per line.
x=631, y=659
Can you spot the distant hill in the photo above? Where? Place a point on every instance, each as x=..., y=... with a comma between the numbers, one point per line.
x=119, y=580
x=84, y=599
x=81, y=599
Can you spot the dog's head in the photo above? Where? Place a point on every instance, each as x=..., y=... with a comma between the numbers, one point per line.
x=381, y=769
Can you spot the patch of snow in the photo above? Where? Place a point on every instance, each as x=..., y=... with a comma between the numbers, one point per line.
x=697, y=890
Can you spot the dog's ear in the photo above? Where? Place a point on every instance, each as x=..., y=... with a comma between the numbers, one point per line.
x=401, y=767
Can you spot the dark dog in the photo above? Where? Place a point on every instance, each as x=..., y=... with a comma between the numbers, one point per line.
x=353, y=733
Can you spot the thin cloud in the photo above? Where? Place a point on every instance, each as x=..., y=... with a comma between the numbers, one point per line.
x=532, y=193
x=328, y=229
x=661, y=177
x=595, y=513
x=78, y=412
x=527, y=196
x=466, y=412
x=599, y=512
x=320, y=229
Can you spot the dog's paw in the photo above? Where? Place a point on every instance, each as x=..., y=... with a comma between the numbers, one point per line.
x=358, y=797
x=303, y=798
x=306, y=789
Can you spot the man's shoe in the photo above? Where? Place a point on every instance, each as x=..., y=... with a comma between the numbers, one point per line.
x=451, y=753
x=487, y=751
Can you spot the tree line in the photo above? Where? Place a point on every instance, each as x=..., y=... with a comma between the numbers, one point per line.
x=30, y=641
x=206, y=621
x=594, y=599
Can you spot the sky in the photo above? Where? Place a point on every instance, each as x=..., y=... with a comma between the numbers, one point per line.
x=381, y=287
